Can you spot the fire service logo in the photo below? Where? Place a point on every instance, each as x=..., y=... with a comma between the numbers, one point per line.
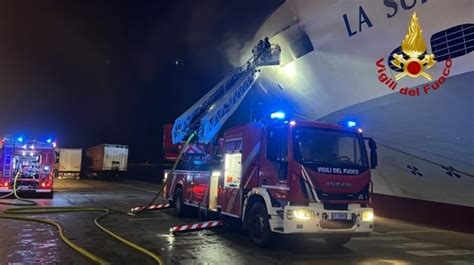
x=412, y=61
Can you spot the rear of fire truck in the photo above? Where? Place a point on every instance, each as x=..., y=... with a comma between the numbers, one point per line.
x=27, y=166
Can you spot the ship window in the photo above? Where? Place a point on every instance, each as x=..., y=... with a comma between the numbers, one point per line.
x=453, y=42
x=301, y=46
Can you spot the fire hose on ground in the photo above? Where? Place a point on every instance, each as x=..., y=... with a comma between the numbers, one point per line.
x=145, y=207
x=13, y=214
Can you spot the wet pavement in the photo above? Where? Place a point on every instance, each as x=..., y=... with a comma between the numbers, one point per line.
x=22, y=242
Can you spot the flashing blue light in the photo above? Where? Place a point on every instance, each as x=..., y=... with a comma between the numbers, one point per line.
x=19, y=139
x=351, y=124
x=278, y=115
x=49, y=141
x=348, y=124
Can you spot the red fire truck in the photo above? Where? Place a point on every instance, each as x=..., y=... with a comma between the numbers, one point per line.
x=278, y=176
x=32, y=162
x=285, y=177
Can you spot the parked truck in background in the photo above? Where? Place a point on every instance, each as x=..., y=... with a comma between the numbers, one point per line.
x=106, y=160
x=31, y=162
x=69, y=163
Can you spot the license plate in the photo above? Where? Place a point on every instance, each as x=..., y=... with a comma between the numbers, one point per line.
x=339, y=216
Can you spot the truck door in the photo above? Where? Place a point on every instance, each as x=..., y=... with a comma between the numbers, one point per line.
x=274, y=167
x=232, y=177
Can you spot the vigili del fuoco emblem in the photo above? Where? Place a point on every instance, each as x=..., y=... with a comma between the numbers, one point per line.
x=414, y=58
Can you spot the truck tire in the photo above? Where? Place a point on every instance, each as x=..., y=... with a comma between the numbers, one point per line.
x=50, y=195
x=179, y=206
x=258, y=225
x=337, y=241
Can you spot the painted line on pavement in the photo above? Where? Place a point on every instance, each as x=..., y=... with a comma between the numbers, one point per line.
x=419, y=245
x=414, y=232
x=447, y=252
x=461, y=262
x=147, y=219
x=135, y=188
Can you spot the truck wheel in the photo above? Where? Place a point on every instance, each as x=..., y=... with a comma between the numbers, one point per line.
x=179, y=206
x=50, y=195
x=337, y=241
x=258, y=225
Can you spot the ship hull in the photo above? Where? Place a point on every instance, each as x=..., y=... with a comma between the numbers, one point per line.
x=425, y=138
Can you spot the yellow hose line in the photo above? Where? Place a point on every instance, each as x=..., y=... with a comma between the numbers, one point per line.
x=152, y=255
x=10, y=214
x=14, y=192
x=68, y=242
x=181, y=152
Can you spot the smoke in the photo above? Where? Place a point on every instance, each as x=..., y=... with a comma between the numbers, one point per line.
x=236, y=48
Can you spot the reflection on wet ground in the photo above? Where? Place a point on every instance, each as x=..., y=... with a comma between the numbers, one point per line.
x=24, y=242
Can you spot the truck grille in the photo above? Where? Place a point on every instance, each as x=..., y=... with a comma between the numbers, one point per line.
x=23, y=183
x=332, y=206
x=336, y=224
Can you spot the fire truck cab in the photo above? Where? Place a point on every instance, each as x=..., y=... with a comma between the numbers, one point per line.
x=287, y=177
x=31, y=162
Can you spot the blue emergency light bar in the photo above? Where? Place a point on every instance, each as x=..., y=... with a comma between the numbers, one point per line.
x=348, y=124
x=280, y=115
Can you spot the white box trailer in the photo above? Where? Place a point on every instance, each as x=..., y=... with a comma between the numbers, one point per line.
x=69, y=163
x=107, y=159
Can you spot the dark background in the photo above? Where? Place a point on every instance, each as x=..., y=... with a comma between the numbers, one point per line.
x=91, y=72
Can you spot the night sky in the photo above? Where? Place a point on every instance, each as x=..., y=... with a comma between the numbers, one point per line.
x=91, y=72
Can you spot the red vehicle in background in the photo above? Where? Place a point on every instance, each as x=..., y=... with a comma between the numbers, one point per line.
x=31, y=162
x=286, y=177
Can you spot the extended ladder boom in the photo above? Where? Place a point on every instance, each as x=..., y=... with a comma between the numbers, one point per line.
x=209, y=113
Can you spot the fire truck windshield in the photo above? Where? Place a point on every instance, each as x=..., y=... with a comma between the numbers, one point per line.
x=325, y=147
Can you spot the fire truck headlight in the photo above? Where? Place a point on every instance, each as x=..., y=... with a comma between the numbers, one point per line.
x=300, y=215
x=46, y=168
x=165, y=177
x=216, y=173
x=368, y=216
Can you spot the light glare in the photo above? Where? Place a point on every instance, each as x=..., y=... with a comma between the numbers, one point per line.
x=278, y=115
x=368, y=216
x=289, y=70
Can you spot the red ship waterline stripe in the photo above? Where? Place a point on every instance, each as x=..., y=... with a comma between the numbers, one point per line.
x=440, y=215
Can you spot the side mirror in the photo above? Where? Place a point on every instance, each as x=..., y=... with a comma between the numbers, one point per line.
x=373, y=153
x=372, y=144
x=373, y=159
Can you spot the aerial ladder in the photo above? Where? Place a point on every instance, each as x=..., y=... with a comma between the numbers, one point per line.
x=208, y=114
x=205, y=118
